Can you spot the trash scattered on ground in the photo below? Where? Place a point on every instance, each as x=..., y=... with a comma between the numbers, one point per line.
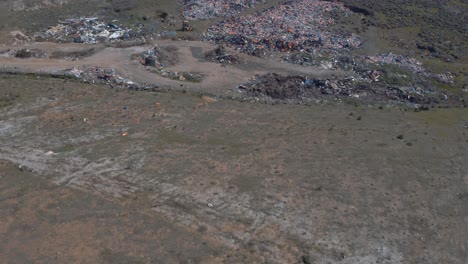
x=98, y=75
x=301, y=89
x=8, y=53
x=89, y=30
x=301, y=25
x=326, y=61
x=23, y=53
x=401, y=60
x=373, y=68
x=222, y=56
x=207, y=9
x=157, y=59
x=30, y=53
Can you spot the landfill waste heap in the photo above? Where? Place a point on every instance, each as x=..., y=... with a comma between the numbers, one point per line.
x=301, y=25
x=88, y=30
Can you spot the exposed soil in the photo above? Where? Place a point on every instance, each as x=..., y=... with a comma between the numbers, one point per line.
x=73, y=55
x=275, y=183
x=104, y=160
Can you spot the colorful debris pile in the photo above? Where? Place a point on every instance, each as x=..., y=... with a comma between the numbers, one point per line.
x=220, y=55
x=87, y=30
x=98, y=75
x=301, y=25
x=207, y=9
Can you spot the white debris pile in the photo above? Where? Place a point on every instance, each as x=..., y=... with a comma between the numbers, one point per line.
x=98, y=75
x=87, y=30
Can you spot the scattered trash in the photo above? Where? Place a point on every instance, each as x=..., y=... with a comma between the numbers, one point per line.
x=98, y=75
x=300, y=89
x=158, y=58
x=23, y=53
x=8, y=53
x=222, y=56
x=124, y=134
x=30, y=53
x=48, y=153
x=210, y=205
x=401, y=60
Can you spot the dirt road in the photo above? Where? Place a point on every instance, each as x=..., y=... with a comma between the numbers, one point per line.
x=217, y=79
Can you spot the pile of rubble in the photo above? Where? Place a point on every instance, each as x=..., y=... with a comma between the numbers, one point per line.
x=220, y=55
x=342, y=62
x=98, y=75
x=207, y=9
x=301, y=89
x=157, y=59
x=87, y=30
x=363, y=65
x=300, y=25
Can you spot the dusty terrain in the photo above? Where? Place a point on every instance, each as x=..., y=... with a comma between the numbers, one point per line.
x=259, y=182
x=204, y=172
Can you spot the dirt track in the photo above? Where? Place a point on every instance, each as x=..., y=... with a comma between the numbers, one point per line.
x=217, y=79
